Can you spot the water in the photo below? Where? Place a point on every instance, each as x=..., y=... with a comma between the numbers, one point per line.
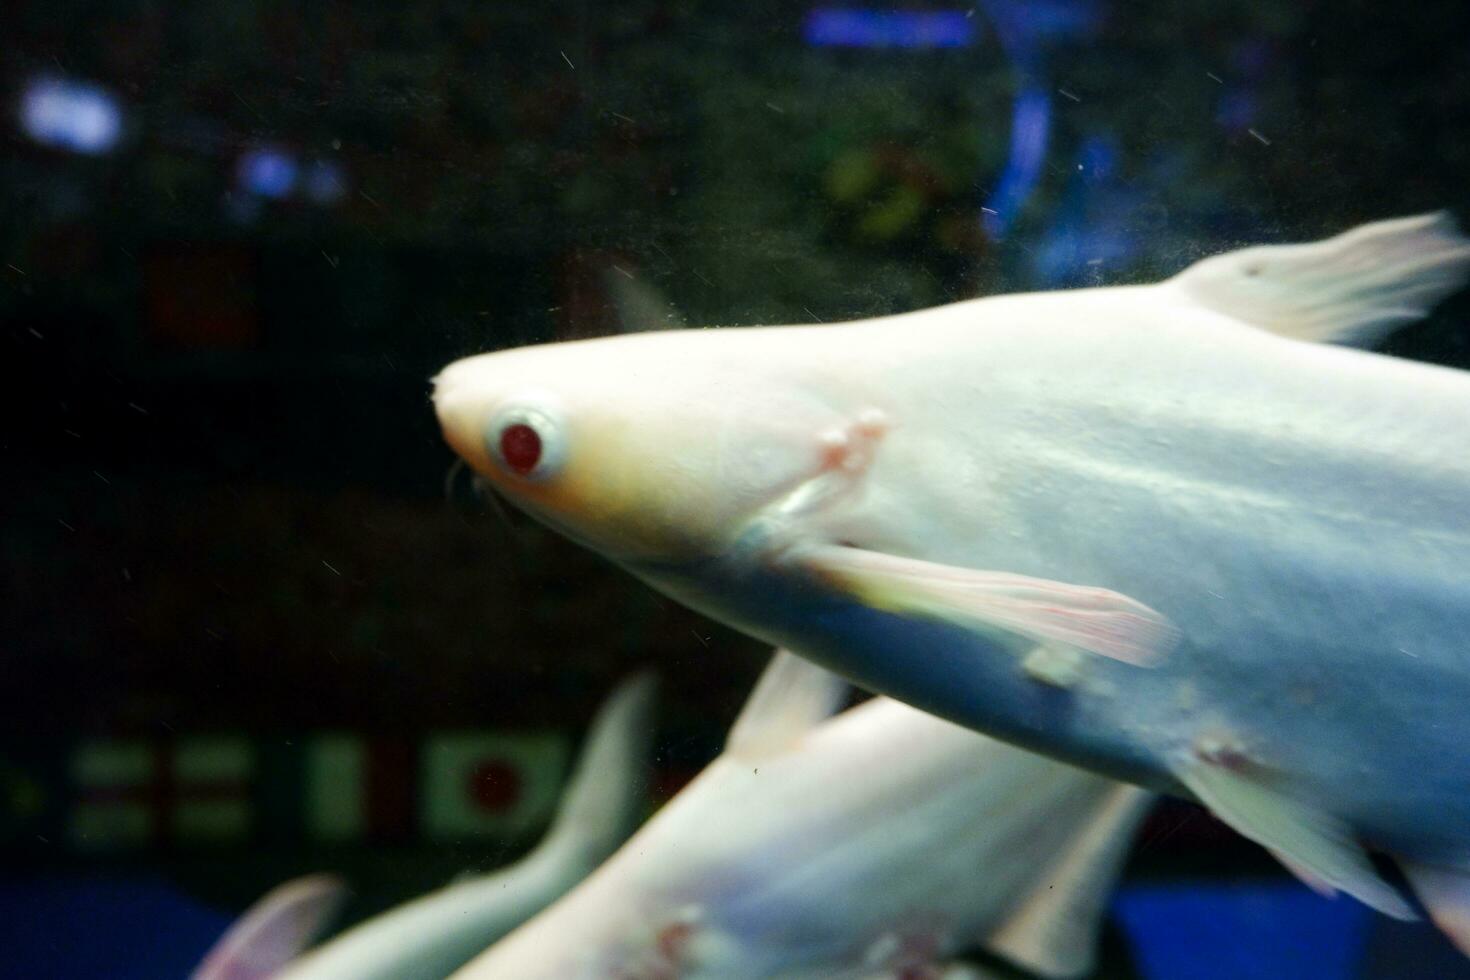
x=248, y=635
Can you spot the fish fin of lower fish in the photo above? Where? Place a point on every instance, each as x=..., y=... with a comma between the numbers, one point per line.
x=639, y=306
x=1304, y=874
x=1097, y=620
x=792, y=696
x=604, y=795
x=1352, y=289
x=1053, y=931
x=1316, y=846
x=274, y=931
x=1445, y=892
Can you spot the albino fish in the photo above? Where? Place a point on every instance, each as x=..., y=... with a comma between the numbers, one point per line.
x=876, y=844
x=428, y=938
x=1178, y=533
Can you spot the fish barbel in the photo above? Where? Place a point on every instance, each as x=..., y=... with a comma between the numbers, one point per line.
x=1185, y=534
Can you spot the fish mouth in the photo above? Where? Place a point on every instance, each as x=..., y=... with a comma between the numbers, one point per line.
x=457, y=410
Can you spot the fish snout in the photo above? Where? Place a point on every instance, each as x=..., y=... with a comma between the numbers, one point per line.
x=460, y=408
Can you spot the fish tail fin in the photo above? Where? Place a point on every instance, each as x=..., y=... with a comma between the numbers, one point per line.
x=1352, y=289
x=1053, y=931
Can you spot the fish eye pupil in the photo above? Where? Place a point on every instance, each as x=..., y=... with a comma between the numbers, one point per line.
x=520, y=447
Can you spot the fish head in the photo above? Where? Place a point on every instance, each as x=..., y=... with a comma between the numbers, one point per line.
x=648, y=448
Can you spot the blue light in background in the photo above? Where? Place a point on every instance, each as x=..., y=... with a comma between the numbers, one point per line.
x=846, y=27
x=1089, y=234
x=325, y=183
x=70, y=115
x=1237, y=110
x=1036, y=21
x=267, y=172
x=1209, y=931
x=1030, y=130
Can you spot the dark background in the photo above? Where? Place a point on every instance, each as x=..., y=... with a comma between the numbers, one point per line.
x=222, y=489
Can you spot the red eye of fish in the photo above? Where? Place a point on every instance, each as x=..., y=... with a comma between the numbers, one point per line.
x=520, y=447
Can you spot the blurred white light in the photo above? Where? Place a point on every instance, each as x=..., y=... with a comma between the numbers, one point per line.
x=71, y=115
x=267, y=172
x=325, y=183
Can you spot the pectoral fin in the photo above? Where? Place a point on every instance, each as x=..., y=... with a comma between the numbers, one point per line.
x=1092, y=619
x=1313, y=845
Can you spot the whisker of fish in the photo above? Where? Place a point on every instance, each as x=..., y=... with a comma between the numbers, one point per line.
x=455, y=469
x=485, y=492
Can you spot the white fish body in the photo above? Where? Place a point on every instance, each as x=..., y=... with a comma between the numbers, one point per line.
x=1185, y=476
x=875, y=845
x=429, y=937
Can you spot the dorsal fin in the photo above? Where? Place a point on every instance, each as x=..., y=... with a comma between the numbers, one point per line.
x=1353, y=289
x=1054, y=931
x=274, y=931
x=639, y=305
x=791, y=697
x=604, y=798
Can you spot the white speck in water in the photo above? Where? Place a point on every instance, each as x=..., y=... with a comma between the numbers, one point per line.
x=990, y=210
x=623, y=271
x=102, y=478
x=1257, y=134
x=65, y=525
x=775, y=108
x=127, y=575
x=138, y=408
x=1070, y=95
x=567, y=60
x=35, y=333
x=1214, y=78
x=330, y=568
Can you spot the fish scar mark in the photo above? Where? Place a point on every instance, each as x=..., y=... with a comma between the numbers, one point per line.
x=844, y=455
x=851, y=449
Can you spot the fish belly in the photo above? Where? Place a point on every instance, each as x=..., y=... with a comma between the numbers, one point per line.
x=1297, y=511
